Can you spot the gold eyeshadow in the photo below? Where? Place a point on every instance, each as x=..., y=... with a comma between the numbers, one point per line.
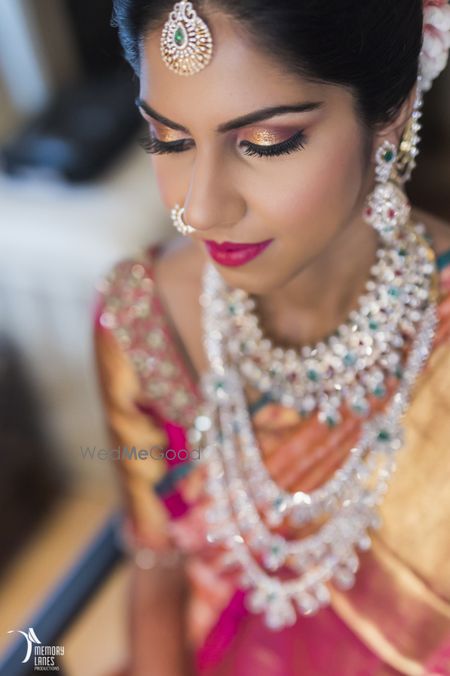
x=267, y=137
x=165, y=134
x=264, y=137
x=261, y=137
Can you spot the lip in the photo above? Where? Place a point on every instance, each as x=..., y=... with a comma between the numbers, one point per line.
x=233, y=254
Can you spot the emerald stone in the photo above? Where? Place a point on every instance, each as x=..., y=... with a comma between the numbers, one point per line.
x=399, y=372
x=402, y=252
x=373, y=325
x=232, y=308
x=379, y=391
x=359, y=408
x=313, y=375
x=331, y=422
x=179, y=36
x=384, y=435
x=388, y=156
x=394, y=291
x=349, y=359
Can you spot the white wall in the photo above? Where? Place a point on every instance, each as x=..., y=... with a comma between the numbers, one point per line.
x=55, y=243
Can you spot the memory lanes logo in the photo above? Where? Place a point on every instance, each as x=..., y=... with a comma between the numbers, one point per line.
x=125, y=453
x=43, y=655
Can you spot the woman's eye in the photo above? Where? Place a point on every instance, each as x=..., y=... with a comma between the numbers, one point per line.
x=295, y=142
x=153, y=145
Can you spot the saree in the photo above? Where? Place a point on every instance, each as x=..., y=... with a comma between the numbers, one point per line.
x=396, y=618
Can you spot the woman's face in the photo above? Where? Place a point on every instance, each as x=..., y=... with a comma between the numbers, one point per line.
x=301, y=199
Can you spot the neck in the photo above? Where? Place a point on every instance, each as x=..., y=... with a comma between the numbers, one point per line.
x=321, y=296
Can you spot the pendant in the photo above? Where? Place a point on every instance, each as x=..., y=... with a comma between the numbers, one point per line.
x=186, y=42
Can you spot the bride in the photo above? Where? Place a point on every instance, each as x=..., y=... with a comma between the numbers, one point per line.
x=296, y=336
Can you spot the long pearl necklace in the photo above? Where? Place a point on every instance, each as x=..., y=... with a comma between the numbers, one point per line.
x=285, y=576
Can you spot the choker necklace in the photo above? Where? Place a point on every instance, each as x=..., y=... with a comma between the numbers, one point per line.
x=289, y=576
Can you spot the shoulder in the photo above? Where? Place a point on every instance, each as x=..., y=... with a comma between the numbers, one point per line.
x=177, y=275
x=119, y=288
x=133, y=319
x=133, y=277
x=438, y=229
x=177, y=267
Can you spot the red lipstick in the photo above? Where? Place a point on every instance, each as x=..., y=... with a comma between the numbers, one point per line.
x=232, y=254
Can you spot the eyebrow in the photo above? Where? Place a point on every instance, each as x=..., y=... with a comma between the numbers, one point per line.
x=242, y=121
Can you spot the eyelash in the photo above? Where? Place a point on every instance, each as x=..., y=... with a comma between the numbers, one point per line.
x=296, y=142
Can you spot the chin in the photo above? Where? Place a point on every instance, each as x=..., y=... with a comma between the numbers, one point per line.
x=256, y=283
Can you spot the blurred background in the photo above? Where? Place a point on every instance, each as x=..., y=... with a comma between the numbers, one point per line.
x=76, y=194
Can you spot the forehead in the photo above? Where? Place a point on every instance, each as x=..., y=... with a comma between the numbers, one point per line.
x=238, y=79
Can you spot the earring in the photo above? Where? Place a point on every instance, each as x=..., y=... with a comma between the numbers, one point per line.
x=176, y=215
x=408, y=149
x=387, y=208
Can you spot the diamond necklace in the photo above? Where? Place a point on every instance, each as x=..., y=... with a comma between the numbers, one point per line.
x=245, y=501
x=354, y=362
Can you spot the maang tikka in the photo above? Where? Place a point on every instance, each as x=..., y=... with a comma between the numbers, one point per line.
x=186, y=42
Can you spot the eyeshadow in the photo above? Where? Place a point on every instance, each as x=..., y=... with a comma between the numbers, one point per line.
x=263, y=137
x=165, y=134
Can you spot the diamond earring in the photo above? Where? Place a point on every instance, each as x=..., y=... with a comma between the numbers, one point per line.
x=176, y=215
x=388, y=208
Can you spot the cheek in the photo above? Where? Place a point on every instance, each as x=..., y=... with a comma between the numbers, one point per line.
x=166, y=179
x=318, y=192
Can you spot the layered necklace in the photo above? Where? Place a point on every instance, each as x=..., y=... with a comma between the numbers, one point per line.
x=397, y=310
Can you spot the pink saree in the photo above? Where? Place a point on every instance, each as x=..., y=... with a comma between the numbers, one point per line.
x=396, y=619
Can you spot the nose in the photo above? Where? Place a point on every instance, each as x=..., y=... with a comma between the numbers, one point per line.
x=212, y=201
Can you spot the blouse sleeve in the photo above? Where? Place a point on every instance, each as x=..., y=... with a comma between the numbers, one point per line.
x=129, y=425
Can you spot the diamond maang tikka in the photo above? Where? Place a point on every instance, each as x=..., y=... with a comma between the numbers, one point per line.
x=186, y=42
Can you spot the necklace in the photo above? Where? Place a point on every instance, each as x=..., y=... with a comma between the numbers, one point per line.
x=356, y=359
x=288, y=575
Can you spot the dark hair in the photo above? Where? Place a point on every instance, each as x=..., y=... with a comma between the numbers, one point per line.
x=369, y=46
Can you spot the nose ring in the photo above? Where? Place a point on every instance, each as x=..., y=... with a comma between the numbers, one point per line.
x=176, y=215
